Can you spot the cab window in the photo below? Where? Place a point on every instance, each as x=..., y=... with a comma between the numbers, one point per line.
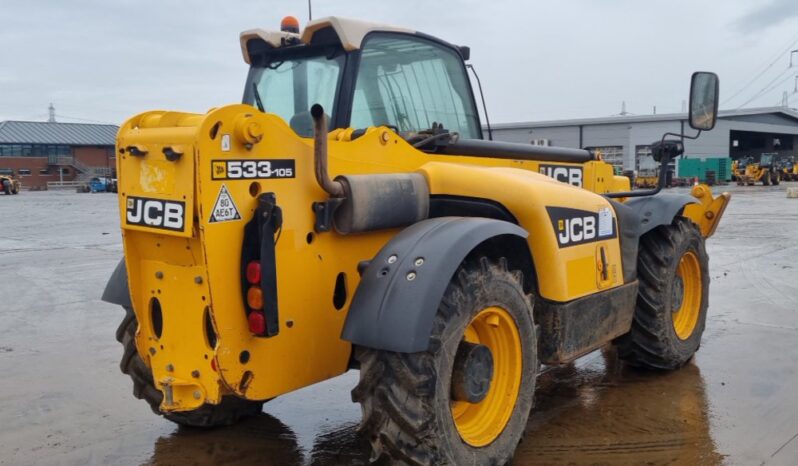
x=288, y=86
x=409, y=83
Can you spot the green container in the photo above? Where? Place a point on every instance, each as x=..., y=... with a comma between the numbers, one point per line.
x=698, y=168
x=690, y=168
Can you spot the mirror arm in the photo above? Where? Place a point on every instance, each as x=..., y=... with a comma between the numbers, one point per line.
x=663, y=172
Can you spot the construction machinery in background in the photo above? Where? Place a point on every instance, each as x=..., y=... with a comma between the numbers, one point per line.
x=646, y=179
x=102, y=184
x=351, y=215
x=10, y=184
x=788, y=168
x=749, y=171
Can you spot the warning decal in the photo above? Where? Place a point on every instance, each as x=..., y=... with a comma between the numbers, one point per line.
x=224, y=210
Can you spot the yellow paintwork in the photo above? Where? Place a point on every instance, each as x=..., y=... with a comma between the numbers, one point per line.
x=708, y=212
x=199, y=265
x=481, y=423
x=686, y=317
x=565, y=273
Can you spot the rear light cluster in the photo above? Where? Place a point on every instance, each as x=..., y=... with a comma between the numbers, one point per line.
x=255, y=316
x=258, y=268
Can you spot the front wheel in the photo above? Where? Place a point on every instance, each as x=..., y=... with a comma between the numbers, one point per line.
x=467, y=398
x=673, y=276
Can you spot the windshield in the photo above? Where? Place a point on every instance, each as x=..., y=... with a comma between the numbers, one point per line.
x=288, y=87
x=410, y=83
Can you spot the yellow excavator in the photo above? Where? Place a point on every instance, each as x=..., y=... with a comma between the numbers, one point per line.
x=352, y=214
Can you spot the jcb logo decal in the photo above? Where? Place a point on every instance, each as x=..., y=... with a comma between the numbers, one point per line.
x=156, y=213
x=574, y=226
x=564, y=173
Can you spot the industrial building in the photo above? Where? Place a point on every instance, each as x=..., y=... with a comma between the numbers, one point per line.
x=38, y=153
x=625, y=141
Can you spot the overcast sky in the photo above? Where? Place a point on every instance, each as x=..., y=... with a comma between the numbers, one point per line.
x=105, y=60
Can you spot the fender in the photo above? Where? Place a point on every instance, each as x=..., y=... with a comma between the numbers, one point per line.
x=660, y=209
x=395, y=303
x=116, y=290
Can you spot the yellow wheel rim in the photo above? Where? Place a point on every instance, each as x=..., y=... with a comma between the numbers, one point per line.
x=687, y=295
x=481, y=423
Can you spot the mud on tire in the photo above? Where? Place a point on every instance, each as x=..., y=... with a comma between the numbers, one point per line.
x=228, y=412
x=653, y=341
x=405, y=398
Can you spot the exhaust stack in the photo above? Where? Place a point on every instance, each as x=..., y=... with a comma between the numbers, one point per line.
x=333, y=188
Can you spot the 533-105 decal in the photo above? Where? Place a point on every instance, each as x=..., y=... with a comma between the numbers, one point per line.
x=252, y=169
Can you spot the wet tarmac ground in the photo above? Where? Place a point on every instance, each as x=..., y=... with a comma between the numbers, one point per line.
x=63, y=400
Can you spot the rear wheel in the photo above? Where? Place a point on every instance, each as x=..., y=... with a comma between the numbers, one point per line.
x=672, y=301
x=229, y=411
x=466, y=399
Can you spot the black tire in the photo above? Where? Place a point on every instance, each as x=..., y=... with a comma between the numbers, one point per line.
x=405, y=398
x=766, y=179
x=653, y=342
x=775, y=178
x=228, y=412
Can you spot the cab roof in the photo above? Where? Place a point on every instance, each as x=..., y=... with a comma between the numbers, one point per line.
x=349, y=32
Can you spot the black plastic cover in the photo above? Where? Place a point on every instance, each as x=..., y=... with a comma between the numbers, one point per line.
x=659, y=209
x=401, y=289
x=116, y=290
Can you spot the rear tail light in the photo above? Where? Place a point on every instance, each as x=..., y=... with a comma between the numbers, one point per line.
x=255, y=298
x=253, y=273
x=258, y=267
x=257, y=322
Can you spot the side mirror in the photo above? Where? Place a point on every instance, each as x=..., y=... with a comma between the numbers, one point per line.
x=704, y=91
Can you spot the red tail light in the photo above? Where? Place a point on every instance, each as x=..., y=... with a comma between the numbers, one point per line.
x=253, y=272
x=257, y=323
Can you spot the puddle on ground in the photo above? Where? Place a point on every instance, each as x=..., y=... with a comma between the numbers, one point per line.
x=595, y=412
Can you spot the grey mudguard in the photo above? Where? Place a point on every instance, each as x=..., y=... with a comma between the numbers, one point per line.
x=117, y=291
x=659, y=209
x=396, y=301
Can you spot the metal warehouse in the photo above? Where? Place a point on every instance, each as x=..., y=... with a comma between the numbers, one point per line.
x=625, y=141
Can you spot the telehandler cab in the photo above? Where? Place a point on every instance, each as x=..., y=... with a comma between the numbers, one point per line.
x=349, y=214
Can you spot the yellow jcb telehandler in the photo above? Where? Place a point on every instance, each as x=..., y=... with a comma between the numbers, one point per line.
x=350, y=214
x=750, y=171
x=788, y=168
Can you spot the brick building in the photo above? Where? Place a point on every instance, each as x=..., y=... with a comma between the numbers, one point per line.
x=40, y=152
